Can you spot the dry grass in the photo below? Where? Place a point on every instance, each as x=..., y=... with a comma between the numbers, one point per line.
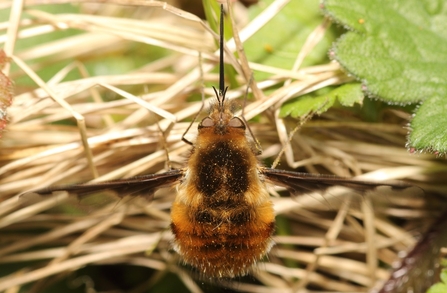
x=111, y=129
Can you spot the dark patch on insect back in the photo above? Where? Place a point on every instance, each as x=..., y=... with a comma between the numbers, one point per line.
x=226, y=169
x=203, y=217
x=216, y=216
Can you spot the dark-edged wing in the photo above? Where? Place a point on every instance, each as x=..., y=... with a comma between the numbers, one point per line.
x=300, y=183
x=143, y=186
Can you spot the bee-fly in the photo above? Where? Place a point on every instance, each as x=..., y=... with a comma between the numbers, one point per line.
x=222, y=217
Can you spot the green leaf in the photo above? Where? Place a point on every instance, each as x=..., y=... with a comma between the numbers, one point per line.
x=399, y=47
x=398, y=50
x=438, y=288
x=427, y=126
x=444, y=276
x=347, y=95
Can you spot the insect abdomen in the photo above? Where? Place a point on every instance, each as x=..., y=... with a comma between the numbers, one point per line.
x=223, y=243
x=222, y=217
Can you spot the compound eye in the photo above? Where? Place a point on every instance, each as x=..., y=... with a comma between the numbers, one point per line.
x=206, y=122
x=236, y=123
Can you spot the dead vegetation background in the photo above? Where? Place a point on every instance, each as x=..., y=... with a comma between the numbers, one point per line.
x=102, y=89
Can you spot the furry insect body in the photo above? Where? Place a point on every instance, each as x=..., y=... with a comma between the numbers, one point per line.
x=222, y=217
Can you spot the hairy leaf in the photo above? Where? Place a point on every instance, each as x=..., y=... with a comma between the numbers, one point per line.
x=398, y=50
